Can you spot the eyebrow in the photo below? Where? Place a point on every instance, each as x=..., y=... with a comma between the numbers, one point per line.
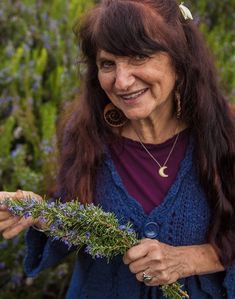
x=104, y=56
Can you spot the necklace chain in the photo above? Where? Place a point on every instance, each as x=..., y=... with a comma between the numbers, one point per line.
x=161, y=167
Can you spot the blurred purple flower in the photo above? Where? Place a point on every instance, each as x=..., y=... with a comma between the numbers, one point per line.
x=17, y=279
x=88, y=249
x=15, y=240
x=9, y=50
x=88, y=234
x=122, y=227
x=37, y=82
x=4, y=244
x=130, y=231
x=27, y=214
x=66, y=242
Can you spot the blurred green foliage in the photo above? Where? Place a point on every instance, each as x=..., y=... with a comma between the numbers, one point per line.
x=217, y=22
x=37, y=77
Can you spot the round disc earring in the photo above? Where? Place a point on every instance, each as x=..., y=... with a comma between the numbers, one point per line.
x=113, y=116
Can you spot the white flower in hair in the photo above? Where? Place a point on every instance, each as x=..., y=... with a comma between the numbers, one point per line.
x=185, y=12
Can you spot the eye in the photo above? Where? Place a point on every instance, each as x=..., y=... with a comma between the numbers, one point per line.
x=106, y=64
x=139, y=59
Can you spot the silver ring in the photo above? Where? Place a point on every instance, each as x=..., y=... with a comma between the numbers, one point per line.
x=146, y=277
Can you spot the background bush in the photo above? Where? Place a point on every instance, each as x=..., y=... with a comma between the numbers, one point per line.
x=37, y=77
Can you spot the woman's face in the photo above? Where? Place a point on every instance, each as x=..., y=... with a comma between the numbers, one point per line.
x=140, y=86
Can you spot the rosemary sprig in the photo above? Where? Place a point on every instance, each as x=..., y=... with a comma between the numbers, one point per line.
x=89, y=226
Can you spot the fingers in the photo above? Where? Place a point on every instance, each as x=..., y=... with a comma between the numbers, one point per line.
x=17, y=227
x=156, y=279
x=4, y=195
x=19, y=194
x=4, y=214
x=135, y=253
x=141, y=250
x=22, y=194
x=8, y=222
x=10, y=225
x=140, y=265
x=151, y=258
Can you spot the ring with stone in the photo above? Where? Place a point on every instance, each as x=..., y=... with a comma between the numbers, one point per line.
x=146, y=277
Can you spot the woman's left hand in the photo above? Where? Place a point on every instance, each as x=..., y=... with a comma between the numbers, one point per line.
x=164, y=263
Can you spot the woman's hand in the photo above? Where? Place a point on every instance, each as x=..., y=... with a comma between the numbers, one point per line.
x=164, y=263
x=10, y=225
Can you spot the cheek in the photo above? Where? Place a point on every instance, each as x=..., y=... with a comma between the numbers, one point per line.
x=105, y=82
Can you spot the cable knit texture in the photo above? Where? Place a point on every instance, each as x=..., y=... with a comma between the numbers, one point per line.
x=181, y=219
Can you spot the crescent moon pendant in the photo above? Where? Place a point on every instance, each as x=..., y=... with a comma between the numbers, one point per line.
x=162, y=173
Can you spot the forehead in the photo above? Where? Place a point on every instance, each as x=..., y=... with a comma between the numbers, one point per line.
x=105, y=54
x=102, y=54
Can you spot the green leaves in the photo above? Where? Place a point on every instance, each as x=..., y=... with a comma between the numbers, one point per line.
x=85, y=226
x=216, y=21
x=37, y=75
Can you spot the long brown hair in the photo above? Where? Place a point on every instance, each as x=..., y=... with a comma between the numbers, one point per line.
x=133, y=27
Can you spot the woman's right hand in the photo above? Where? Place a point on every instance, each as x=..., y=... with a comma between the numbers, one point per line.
x=11, y=226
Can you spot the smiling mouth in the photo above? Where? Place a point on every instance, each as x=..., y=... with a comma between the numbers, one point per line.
x=133, y=95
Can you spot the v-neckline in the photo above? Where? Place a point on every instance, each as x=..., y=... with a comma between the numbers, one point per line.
x=134, y=206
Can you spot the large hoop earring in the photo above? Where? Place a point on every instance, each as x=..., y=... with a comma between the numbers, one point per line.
x=178, y=104
x=113, y=116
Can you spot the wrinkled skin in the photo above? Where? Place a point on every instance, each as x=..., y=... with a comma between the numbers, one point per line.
x=163, y=262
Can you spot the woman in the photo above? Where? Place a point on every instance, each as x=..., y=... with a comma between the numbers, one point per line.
x=150, y=141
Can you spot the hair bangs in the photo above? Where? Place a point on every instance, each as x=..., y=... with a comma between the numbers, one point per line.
x=123, y=30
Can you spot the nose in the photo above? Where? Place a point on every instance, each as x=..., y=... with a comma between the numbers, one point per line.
x=124, y=78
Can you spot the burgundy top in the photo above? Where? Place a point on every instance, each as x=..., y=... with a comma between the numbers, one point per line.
x=139, y=172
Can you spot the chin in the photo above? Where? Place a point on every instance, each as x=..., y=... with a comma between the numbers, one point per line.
x=136, y=117
x=137, y=114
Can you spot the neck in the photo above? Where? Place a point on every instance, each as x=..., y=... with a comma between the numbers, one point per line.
x=152, y=130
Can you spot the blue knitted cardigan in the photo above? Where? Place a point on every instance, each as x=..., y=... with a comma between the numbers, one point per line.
x=181, y=219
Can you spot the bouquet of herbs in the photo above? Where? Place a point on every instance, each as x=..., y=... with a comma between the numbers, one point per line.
x=81, y=225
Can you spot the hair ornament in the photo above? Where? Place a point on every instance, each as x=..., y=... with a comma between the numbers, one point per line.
x=185, y=12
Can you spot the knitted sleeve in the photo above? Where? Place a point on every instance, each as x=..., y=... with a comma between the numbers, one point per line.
x=42, y=252
x=229, y=282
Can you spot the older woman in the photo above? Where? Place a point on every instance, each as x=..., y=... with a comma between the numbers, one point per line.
x=152, y=141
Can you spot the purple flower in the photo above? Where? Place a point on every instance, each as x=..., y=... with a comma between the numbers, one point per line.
x=16, y=279
x=15, y=241
x=51, y=205
x=81, y=207
x=88, y=249
x=122, y=227
x=130, y=230
x=56, y=225
x=2, y=265
x=15, y=210
x=88, y=234
x=99, y=255
x=27, y=214
x=56, y=238
x=66, y=242
x=4, y=244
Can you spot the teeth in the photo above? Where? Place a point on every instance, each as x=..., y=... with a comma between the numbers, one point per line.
x=134, y=95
